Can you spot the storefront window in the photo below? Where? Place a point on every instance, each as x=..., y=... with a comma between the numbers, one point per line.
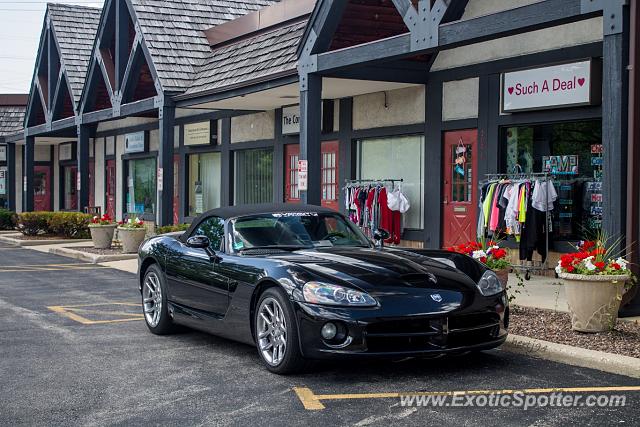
x=70, y=181
x=397, y=158
x=141, y=186
x=254, y=176
x=204, y=182
x=572, y=153
x=3, y=188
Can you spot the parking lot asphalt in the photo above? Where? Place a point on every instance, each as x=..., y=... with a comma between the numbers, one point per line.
x=74, y=351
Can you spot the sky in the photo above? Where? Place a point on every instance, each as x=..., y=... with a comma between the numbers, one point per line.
x=20, y=26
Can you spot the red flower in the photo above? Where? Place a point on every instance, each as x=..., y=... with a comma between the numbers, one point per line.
x=616, y=266
x=599, y=265
x=587, y=244
x=499, y=253
x=483, y=259
x=570, y=269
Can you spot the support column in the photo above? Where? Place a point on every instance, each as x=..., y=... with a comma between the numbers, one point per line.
x=226, y=159
x=83, y=167
x=183, y=190
x=11, y=176
x=278, y=160
x=433, y=166
x=167, y=116
x=346, y=163
x=28, y=172
x=310, y=128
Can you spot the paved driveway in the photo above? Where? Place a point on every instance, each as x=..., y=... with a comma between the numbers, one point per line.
x=74, y=351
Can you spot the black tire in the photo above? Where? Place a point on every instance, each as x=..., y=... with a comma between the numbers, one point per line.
x=164, y=323
x=293, y=361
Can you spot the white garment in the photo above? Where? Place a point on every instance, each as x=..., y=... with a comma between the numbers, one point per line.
x=544, y=194
x=396, y=201
x=511, y=213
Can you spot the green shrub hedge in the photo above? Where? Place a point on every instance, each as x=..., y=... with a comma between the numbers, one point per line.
x=8, y=220
x=172, y=228
x=69, y=225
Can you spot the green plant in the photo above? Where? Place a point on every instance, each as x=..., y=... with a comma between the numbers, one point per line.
x=131, y=223
x=34, y=223
x=71, y=225
x=488, y=253
x=8, y=220
x=601, y=256
x=105, y=219
x=172, y=228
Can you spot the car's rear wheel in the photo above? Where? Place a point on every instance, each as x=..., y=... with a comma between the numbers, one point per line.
x=277, y=334
x=154, y=302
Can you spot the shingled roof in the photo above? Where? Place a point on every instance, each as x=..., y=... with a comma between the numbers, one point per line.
x=75, y=28
x=174, y=33
x=268, y=54
x=11, y=119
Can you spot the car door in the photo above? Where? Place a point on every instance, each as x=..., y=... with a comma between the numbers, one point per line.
x=193, y=274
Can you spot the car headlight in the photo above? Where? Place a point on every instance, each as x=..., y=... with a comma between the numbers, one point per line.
x=324, y=293
x=489, y=284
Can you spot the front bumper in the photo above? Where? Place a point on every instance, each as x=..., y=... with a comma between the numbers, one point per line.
x=371, y=332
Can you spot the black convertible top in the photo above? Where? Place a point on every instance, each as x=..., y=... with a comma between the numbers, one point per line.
x=242, y=210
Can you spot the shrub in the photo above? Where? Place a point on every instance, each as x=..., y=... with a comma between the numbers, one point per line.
x=172, y=228
x=33, y=223
x=70, y=225
x=8, y=220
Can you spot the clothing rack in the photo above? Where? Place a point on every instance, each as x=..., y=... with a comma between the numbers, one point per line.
x=350, y=182
x=542, y=177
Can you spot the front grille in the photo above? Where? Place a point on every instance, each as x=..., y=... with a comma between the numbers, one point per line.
x=432, y=333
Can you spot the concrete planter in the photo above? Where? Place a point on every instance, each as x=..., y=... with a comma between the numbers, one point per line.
x=102, y=235
x=131, y=238
x=503, y=276
x=594, y=300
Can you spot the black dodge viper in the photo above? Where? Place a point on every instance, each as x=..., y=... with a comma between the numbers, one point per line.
x=302, y=282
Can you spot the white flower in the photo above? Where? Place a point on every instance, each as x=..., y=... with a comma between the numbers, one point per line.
x=622, y=263
x=559, y=269
x=479, y=254
x=588, y=264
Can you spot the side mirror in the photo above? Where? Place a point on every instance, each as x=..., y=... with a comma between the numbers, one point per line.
x=198, y=242
x=381, y=235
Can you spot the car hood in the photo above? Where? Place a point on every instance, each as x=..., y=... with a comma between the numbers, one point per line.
x=381, y=269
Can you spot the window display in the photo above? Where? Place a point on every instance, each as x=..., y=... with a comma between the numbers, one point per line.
x=254, y=176
x=204, y=182
x=141, y=186
x=397, y=158
x=572, y=154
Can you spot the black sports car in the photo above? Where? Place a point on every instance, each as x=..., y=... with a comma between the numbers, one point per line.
x=302, y=282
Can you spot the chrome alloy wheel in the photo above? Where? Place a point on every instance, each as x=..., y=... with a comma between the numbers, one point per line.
x=152, y=299
x=272, y=331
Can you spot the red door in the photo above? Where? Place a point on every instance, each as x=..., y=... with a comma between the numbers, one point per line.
x=459, y=208
x=330, y=192
x=42, y=188
x=176, y=189
x=111, y=189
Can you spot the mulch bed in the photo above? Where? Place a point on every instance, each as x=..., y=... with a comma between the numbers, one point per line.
x=41, y=237
x=555, y=326
x=92, y=250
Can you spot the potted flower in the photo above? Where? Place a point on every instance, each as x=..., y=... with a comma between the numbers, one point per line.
x=594, y=280
x=102, y=229
x=488, y=253
x=131, y=233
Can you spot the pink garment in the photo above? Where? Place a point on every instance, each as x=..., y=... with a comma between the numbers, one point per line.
x=495, y=212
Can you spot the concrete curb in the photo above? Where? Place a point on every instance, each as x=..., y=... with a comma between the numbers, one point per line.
x=576, y=356
x=25, y=243
x=89, y=257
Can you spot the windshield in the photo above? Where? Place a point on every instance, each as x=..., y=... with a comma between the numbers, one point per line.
x=294, y=230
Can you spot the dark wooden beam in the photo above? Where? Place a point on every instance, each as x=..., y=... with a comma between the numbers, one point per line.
x=11, y=178
x=166, y=116
x=407, y=12
x=310, y=142
x=226, y=168
x=122, y=43
x=97, y=116
x=131, y=72
x=28, y=173
x=84, y=132
x=137, y=107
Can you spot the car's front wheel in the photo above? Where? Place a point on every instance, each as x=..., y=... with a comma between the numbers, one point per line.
x=276, y=333
x=154, y=302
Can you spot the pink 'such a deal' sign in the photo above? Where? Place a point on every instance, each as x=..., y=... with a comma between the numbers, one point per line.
x=548, y=87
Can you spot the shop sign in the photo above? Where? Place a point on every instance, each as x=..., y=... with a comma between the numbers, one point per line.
x=160, y=179
x=3, y=153
x=134, y=142
x=303, y=169
x=291, y=120
x=66, y=152
x=3, y=181
x=78, y=180
x=197, y=133
x=549, y=87
x=560, y=165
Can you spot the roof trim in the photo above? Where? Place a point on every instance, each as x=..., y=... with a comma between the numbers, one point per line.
x=14, y=100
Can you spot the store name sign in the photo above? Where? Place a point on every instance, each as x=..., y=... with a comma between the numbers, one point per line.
x=291, y=120
x=3, y=181
x=197, y=133
x=66, y=151
x=549, y=87
x=134, y=142
x=3, y=153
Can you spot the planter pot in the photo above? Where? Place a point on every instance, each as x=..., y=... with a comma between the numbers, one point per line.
x=131, y=239
x=503, y=276
x=593, y=301
x=102, y=235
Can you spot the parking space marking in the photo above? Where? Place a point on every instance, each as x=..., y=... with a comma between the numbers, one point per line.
x=313, y=402
x=77, y=313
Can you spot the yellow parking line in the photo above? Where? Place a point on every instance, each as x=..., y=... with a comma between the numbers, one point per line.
x=313, y=402
x=71, y=312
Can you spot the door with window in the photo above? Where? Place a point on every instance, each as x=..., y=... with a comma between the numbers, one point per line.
x=70, y=188
x=330, y=191
x=460, y=192
x=110, y=196
x=42, y=188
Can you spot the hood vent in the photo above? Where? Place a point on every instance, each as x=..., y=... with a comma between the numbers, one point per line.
x=420, y=280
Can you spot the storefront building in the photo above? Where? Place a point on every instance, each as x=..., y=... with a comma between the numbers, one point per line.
x=440, y=97
x=12, y=108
